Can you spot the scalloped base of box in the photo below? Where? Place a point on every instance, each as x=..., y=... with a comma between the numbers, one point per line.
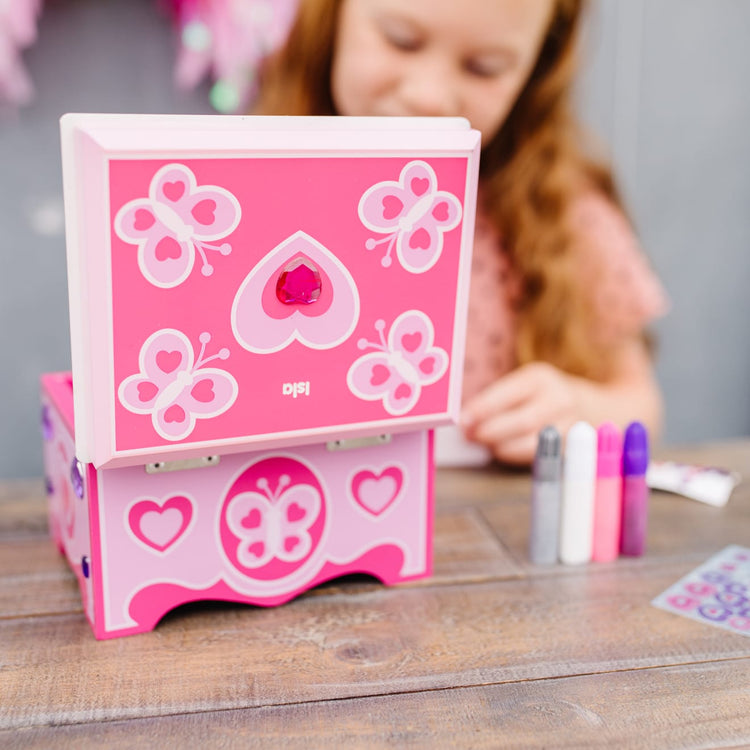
x=257, y=528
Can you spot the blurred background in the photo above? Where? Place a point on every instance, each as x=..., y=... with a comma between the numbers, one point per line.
x=664, y=89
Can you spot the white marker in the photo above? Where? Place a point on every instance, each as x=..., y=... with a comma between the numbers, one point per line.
x=579, y=483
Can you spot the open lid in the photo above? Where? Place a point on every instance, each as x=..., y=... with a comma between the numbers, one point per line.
x=238, y=283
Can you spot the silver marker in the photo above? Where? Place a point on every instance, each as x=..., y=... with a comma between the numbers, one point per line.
x=545, y=498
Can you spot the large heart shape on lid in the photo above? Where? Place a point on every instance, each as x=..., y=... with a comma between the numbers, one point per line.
x=263, y=324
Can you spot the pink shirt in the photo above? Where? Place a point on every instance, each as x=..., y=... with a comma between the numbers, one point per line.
x=626, y=293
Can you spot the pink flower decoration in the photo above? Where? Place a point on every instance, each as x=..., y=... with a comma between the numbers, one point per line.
x=227, y=40
x=18, y=20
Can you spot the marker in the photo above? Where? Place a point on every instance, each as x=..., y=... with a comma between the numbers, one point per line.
x=607, y=494
x=634, y=490
x=579, y=477
x=545, y=498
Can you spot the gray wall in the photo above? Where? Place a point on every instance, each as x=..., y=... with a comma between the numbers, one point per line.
x=668, y=90
x=665, y=88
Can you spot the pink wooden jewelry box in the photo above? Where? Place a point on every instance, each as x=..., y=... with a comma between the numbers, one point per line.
x=267, y=319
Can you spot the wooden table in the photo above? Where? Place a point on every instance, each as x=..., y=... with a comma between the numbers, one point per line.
x=490, y=652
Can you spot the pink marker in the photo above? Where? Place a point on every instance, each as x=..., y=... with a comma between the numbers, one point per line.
x=634, y=490
x=607, y=494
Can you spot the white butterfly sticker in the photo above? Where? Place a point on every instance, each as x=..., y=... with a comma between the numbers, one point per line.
x=413, y=214
x=175, y=388
x=176, y=220
x=400, y=366
x=274, y=525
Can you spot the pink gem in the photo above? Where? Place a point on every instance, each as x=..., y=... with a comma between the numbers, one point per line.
x=299, y=283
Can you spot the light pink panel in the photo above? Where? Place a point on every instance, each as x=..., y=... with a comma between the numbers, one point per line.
x=260, y=527
x=70, y=485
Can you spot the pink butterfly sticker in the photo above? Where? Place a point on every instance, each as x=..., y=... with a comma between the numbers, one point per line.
x=175, y=388
x=413, y=214
x=274, y=525
x=400, y=366
x=175, y=221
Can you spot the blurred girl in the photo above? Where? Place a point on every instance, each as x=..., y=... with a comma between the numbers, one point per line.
x=560, y=291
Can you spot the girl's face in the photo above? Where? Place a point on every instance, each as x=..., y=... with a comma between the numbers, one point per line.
x=436, y=57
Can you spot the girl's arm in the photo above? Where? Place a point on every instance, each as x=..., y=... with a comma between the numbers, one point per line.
x=508, y=415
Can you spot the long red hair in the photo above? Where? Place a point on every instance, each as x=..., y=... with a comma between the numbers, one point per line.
x=531, y=172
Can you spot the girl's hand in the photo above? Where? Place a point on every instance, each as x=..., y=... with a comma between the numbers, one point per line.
x=508, y=415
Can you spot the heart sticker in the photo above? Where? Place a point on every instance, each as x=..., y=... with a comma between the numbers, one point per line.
x=158, y=525
x=204, y=212
x=174, y=190
x=268, y=316
x=375, y=493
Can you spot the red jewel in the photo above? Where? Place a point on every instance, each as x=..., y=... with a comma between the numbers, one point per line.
x=299, y=283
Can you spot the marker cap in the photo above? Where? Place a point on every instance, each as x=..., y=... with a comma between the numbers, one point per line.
x=609, y=450
x=580, y=452
x=635, y=450
x=548, y=459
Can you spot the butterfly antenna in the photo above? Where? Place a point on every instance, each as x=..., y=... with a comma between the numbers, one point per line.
x=372, y=243
x=363, y=343
x=262, y=484
x=284, y=481
x=380, y=328
x=204, y=338
x=207, y=269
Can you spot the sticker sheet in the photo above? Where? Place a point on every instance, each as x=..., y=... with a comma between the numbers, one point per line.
x=716, y=593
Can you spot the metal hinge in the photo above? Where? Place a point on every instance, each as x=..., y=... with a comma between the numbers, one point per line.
x=346, y=444
x=158, y=467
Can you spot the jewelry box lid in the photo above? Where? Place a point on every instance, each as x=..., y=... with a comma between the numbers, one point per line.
x=238, y=283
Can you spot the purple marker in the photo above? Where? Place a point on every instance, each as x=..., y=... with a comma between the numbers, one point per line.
x=634, y=490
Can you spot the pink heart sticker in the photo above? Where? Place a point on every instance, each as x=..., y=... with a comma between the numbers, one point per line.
x=147, y=391
x=203, y=391
x=174, y=190
x=168, y=361
x=167, y=248
x=205, y=212
x=739, y=622
x=272, y=309
x=252, y=519
x=411, y=341
x=175, y=413
x=701, y=589
x=144, y=219
x=392, y=206
x=256, y=549
x=295, y=512
x=427, y=365
x=420, y=240
x=291, y=542
x=440, y=212
x=419, y=185
x=159, y=525
x=680, y=601
x=403, y=391
x=379, y=374
x=375, y=493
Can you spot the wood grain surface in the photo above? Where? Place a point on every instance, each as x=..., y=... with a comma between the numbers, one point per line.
x=491, y=651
